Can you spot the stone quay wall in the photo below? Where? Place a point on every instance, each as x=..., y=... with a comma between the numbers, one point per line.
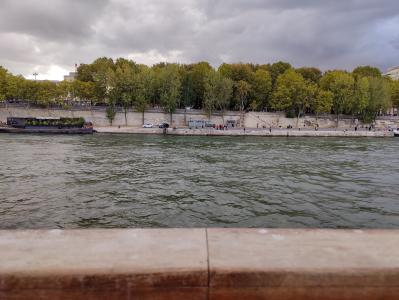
x=181, y=118
x=247, y=132
x=199, y=264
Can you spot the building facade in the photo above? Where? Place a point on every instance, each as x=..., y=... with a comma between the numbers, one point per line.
x=71, y=76
x=393, y=73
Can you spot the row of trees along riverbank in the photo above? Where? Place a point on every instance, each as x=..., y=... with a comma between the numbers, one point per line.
x=363, y=93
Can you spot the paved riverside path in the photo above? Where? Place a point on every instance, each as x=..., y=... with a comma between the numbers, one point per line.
x=247, y=132
x=199, y=264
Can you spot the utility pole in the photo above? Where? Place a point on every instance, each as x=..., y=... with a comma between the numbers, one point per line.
x=35, y=74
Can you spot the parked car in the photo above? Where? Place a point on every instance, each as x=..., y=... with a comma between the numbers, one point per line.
x=163, y=125
x=148, y=125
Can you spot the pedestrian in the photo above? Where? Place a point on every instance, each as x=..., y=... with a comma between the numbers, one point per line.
x=244, y=130
x=270, y=129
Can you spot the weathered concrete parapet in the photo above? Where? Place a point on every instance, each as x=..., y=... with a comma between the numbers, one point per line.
x=199, y=264
x=103, y=264
x=303, y=264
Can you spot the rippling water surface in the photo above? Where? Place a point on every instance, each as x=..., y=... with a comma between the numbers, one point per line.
x=156, y=181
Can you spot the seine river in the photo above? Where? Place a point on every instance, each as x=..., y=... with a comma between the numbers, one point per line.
x=104, y=181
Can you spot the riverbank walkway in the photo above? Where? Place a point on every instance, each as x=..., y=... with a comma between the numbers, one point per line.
x=249, y=132
x=199, y=264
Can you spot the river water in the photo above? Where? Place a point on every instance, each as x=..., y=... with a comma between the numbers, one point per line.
x=105, y=181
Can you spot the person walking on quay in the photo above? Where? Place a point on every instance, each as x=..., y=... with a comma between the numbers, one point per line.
x=270, y=129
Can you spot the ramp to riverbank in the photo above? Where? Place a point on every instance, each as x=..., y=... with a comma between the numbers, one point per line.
x=199, y=264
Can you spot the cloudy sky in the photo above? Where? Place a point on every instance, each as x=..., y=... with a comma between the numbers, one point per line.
x=50, y=36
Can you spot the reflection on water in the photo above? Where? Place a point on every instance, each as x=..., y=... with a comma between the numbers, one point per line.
x=162, y=181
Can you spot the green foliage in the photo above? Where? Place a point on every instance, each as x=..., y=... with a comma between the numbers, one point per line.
x=379, y=98
x=395, y=93
x=322, y=102
x=366, y=71
x=62, y=122
x=262, y=89
x=341, y=85
x=3, y=83
x=111, y=113
x=293, y=93
x=242, y=89
x=278, y=69
x=169, y=88
x=239, y=86
x=218, y=91
x=311, y=74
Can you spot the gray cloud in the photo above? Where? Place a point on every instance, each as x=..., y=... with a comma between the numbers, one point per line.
x=50, y=35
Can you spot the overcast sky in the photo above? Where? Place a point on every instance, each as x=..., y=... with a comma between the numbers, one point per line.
x=50, y=36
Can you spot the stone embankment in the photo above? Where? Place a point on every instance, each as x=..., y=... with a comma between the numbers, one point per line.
x=247, y=132
x=199, y=264
x=181, y=118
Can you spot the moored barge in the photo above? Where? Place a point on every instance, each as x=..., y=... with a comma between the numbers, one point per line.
x=47, y=125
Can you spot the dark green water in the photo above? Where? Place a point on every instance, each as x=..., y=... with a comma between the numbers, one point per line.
x=155, y=181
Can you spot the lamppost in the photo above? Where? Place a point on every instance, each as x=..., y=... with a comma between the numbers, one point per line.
x=35, y=74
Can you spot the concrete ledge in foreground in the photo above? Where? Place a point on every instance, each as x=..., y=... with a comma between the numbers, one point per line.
x=199, y=264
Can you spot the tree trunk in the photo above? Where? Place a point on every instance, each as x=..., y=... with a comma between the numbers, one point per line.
x=142, y=117
x=337, y=119
x=125, y=116
x=297, y=119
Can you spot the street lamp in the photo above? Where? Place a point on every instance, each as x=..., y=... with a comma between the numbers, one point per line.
x=35, y=74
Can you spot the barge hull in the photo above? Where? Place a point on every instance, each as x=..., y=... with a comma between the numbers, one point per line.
x=48, y=130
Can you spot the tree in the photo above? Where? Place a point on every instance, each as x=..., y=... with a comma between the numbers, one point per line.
x=379, y=98
x=218, y=91
x=121, y=86
x=361, y=98
x=143, y=92
x=395, y=93
x=341, y=85
x=262, y=88
x=85, y=73
x=211, y=94
x=278, y=69
x=111, y=112
x=237, y=73
x=242, y=91
x=366, y=71
x=84, y=90
x=199, y=77
x=311, y=74
x=15, y=87
x=322, y=102
x=292, y=93
x=102, y=73
x=224, y=93
x=64, y=90
x=3, y=83
x=169, y=88
x=46, y=93
x=187, y=90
